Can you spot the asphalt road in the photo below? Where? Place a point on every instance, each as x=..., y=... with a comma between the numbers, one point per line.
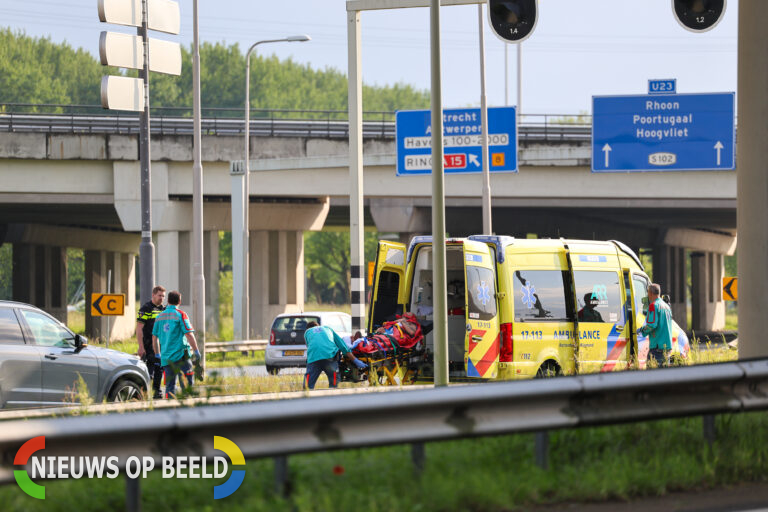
x=749, y=497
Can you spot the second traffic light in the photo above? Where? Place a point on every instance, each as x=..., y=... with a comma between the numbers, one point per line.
x=698, y=15
x=512, y=20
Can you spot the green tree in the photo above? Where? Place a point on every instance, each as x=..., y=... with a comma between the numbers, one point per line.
x=37, y=70
x=326, y=263
x=6, y=271
x=75, y=271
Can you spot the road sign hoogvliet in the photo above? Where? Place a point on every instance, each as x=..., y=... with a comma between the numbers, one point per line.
x=663, y=132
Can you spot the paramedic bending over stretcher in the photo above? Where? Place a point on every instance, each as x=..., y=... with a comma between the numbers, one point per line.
x=323, y=344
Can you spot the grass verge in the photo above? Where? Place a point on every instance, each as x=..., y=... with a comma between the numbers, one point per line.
x=624, y=462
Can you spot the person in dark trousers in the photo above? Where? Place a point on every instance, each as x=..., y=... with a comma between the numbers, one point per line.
x=174, y=337
x=658, y=327
x=323, y=346
x=144, y=324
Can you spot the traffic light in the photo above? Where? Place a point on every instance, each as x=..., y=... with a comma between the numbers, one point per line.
x=698, y=15
x=512, y=20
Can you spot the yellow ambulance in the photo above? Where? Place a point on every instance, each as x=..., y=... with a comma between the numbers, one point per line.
x=521, y=308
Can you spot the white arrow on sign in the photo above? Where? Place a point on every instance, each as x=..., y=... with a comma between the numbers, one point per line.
x=607, y=151
x=473, y=160
x=718, y=146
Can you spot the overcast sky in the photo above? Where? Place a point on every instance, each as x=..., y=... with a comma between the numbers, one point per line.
x=579, y=48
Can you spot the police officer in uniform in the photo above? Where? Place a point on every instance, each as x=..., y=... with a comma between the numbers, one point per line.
x=144, y=324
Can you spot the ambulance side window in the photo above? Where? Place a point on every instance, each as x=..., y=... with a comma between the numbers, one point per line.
x=598, y=294
x=539, y=295
x=481, y=293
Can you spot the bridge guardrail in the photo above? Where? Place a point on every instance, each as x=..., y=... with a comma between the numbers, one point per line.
x=91, y=119
x=235, y=346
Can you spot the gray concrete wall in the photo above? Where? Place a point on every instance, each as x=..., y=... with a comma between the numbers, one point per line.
x=167, y=148
x=752, y=165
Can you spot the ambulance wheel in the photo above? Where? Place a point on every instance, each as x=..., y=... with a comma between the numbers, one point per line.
x=273, y=370
x=548, y=369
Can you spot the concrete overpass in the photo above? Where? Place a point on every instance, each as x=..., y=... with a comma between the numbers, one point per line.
x=81, y=190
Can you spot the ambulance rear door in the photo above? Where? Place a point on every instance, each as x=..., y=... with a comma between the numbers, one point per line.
x=481, y=357
x=388, y=295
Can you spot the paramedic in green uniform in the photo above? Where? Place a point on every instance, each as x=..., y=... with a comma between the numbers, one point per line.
x=658, y=326
x=174, y=338
x=323, y=344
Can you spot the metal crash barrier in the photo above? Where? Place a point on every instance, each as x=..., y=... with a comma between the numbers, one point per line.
x=274, y=429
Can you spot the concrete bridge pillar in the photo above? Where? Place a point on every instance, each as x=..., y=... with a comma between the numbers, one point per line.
x=396, y=216
x=670, y=271
x=174, y=270
x=708, y=307
x=276, y=277
x=40, y=277
x=98, y=265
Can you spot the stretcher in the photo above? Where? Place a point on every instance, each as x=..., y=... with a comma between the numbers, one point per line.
x=395, y=354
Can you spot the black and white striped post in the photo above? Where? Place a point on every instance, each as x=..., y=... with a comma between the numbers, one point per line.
x=356, y=218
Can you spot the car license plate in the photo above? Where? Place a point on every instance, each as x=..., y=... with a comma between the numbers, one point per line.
x=293, y=353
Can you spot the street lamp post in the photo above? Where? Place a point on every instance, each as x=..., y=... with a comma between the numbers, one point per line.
x=242, y=297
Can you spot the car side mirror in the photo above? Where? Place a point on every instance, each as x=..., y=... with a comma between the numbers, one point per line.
x=80, y=342
x=666, y=299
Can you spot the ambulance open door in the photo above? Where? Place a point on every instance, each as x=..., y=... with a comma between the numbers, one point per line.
x=388, y=289
x=481, y=355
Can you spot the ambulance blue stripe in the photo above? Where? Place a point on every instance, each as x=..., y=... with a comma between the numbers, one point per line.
x=471, y=370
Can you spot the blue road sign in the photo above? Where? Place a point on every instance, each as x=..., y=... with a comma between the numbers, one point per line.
x=679, y=132
x=461, y=141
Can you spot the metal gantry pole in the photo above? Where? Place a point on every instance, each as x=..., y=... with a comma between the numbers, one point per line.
x=506, y=74
x=356, y=218
x=487, y=228
x=519, y=85
x=440, y=311
x=146, y=248
x=198, y=277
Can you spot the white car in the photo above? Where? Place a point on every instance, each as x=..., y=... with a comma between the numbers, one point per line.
x=287, y=348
